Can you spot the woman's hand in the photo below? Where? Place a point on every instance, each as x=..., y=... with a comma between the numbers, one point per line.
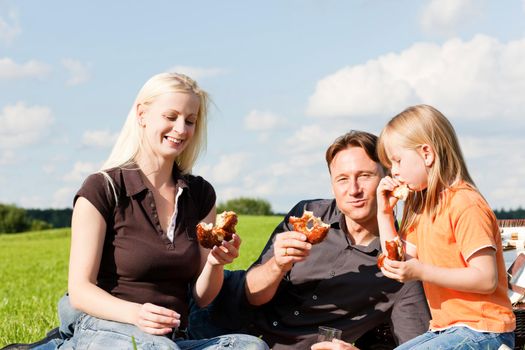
x=385, y=200
x=158, y=320
x=335, y=344
x=226, y=253
x=290, y=247
x=403, y=271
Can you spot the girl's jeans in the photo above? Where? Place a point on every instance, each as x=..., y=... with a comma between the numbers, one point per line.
x=459, y=338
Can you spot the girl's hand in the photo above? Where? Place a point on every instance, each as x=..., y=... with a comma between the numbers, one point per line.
x=335, y=344
x=226, y=253
x=385, y=200
x=290, y=247
x=403, y=271
x=158, y=320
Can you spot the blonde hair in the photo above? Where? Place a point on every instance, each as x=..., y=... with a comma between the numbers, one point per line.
x=130, y=140
x=416, y=126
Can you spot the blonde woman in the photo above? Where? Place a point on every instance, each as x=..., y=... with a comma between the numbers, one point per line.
x=451, y=235
x=134, y=254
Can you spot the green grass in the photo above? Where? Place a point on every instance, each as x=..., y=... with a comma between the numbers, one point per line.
x=33, y=275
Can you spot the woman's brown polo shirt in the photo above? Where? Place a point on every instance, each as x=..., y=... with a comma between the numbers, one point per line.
x=139, y=263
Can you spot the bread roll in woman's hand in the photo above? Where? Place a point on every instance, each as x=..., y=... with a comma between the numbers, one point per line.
x=210, y=235
x=311, y=226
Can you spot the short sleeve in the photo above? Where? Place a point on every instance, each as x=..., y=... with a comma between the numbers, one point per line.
x=204, y=192
x=474, y=230
x=97, y=190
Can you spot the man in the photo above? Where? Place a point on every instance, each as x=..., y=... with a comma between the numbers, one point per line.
x=295, y=287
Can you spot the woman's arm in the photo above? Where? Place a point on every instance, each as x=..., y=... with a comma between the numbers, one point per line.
x=212, y=262
x=88, y=229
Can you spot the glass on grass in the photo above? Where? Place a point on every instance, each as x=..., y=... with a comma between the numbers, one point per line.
x=328, y=333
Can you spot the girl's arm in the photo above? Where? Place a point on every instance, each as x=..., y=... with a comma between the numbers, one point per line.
x=88, y=229
x=385, y=214
x=480, y=276
x=212, y=262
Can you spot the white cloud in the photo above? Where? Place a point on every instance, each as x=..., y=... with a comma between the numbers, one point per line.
x=7, y=157
x=477, y=79
x=23, y=125
x=198, y=73
x=79, y=72
x=9, y=27
x=63, y=197
x=80, y=171
x=262, y=121
x=31, y=69
x=99, y=138
x=228, y=168
x=310, y=138
x=497, y=164
x=444, y=16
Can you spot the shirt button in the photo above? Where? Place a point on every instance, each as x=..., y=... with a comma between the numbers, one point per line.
x=314, y=297
x=152, y=205
x=275, y=323
x=296, y=313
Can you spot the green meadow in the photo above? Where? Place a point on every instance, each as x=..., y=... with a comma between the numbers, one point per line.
x=33, y=275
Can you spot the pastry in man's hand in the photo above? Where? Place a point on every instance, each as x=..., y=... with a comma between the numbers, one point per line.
x=311, y=226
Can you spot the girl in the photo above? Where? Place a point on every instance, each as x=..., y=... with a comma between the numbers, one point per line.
x=450, y=234
x=134, y=253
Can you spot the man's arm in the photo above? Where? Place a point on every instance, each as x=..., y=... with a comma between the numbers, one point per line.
x=263, y=280
x=283, y=249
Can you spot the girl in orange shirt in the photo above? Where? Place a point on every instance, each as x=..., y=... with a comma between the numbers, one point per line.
x=448, y=231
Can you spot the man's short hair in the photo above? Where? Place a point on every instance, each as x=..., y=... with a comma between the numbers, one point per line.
x=353, y=138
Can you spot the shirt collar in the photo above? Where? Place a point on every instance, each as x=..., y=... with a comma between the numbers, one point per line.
x=373, y=247
x=135, y=184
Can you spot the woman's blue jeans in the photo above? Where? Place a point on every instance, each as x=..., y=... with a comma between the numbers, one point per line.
x=94, y=333
x=459, y=338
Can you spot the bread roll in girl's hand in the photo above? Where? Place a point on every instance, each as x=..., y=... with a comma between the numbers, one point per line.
x=394, y=251
x=311, y=226
x=401, y=192
x=209, y=235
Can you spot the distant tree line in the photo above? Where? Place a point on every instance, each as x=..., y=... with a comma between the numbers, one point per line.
x=14, y=219
x=246, y=206
x=510, y=214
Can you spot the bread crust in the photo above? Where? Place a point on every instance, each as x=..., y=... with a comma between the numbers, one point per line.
x=210, y=235
x=395, y=251
x=311, y=226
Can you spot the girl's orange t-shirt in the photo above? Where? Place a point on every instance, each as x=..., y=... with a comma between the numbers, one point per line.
x=463, y=226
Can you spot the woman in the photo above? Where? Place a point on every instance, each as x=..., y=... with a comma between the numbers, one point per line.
x=134, y=253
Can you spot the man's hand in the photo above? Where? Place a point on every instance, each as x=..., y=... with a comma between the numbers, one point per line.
x=290, y=247
x=335, y=344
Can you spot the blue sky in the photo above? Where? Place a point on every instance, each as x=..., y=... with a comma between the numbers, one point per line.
x=286, y=78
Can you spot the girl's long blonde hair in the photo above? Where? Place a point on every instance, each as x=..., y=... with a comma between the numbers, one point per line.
x=412, y=128
x=130, y=140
